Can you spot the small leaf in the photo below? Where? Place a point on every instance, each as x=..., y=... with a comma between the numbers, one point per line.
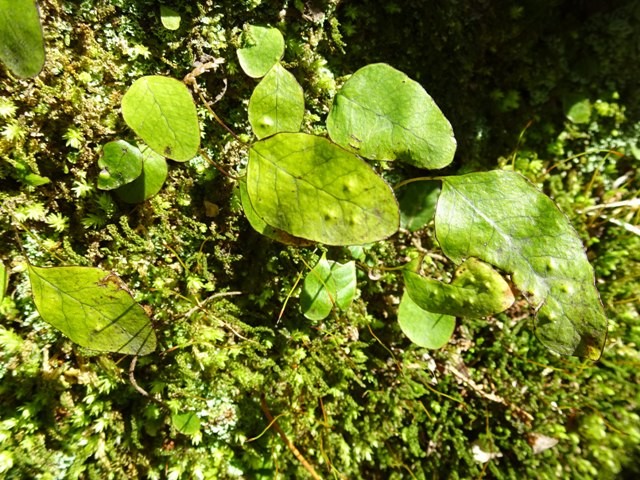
x=276, y=104
x=21, y=40
x=4, y=280
x=93, y=308
x=327, y=285
x=577, y=108
x=169, y=17
x=161, y=111
x=262, y=48
x=418, y=204
x=186, y=423
x=477, y=291
x=121, y=163
x=382, y=114
x=425, y=329
x=150, y=181
x=502, y=219
x=313, y=189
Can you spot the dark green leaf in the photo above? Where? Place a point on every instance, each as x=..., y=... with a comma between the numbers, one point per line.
x=121, y=163
x=418, y=204
x=161, y=111
x=21, y=40
x=501, y=218
x=150, y=181
x=313, y=189
x=93, y=308
x=382, y=114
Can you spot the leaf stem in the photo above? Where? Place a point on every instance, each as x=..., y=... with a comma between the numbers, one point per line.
x=416, y=179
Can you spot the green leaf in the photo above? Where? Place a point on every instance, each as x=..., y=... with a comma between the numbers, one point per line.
x=327, y=285
x=426, y=329
x=186, y=423
x=276, y=104
x=502, y=219
x=169, y=17
x=382, y=114
x=477, y=291
x=260, y=225
x=93, y=308
x=577, y=108
x=262, y=48
x=161, y=111
x=4, y=280
x=121, y=163
x=313, y=189
x=418, y=204
x=150, y=181
x=21, y=40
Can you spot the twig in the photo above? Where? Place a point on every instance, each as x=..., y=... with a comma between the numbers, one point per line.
x=283, y=436
x=138, y=388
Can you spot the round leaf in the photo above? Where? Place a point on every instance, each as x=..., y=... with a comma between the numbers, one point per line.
x=150, y=181
x=186, y=423
x=93, y=308
x=426, y=329
x=161, y=111
x=21, y=40
x=327, y=285
x=169, y=17
x=276, y=104
x=418, y=204
x=502, y=219
x=262, y=48
x=313, y=189
x=382, y=114
x=121, y=163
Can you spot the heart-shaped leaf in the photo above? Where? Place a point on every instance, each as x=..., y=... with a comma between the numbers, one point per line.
x=121, y=163
x=262, y=48
x=382, y=114
x=426, y=329
x=93, y=308
x=313, y=189
x=276, y=104
x=502, y=219
x=21, y=40
x=327, y=285
x=477, y=291
x=161, y=111
x=150, y=181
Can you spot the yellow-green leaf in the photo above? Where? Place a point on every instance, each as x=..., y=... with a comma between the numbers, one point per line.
x=21, y=40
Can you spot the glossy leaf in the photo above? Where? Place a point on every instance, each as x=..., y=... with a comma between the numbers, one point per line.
x=262, y=48
x=418, y=204
x=169, y=17
x=502, y=219
x=21, y=39
x=313, y=189
x=426, y=329
x=161, y=111
x=150, y=181
x=120, y=163
x=477, y=291
x=93, y=308
x=327, y=285
x=382, y=114
x=186, y=423
x=276, y=104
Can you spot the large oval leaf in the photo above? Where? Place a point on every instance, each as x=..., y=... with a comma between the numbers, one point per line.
x=21, y=40
x=120, y=163
x=262, y=48
x=276, y=104
x=382, y=114
x=313, y=189
x=93, y=308
x=150, y=181
x=477, y=291
x=161, y=111
x=426, y=329
x=504, y=220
